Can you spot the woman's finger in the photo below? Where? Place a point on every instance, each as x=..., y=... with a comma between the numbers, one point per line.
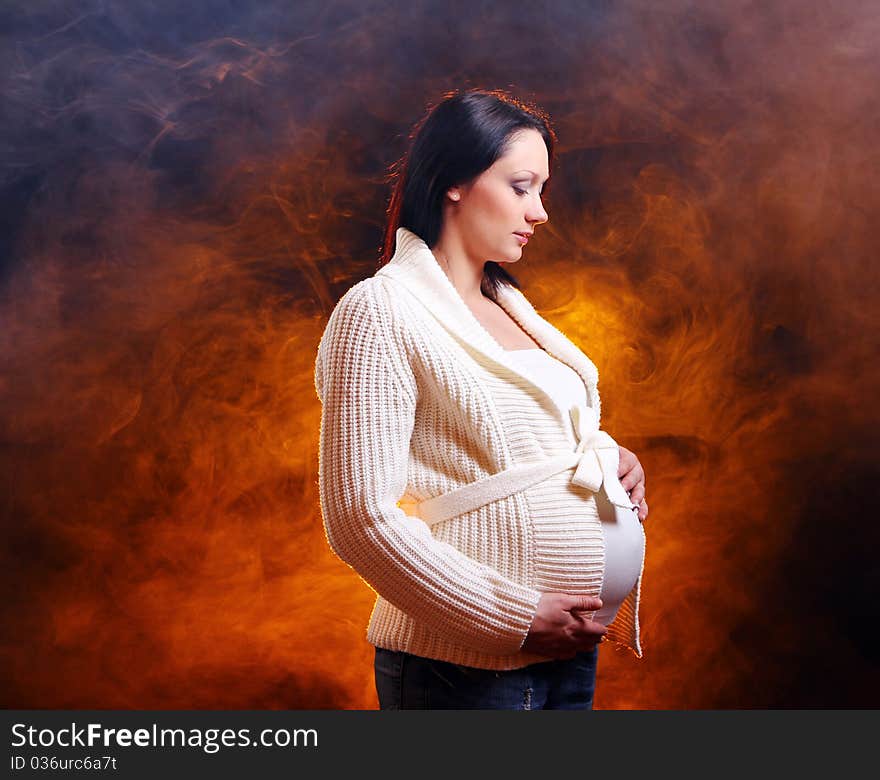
x=633, y=477
x=626, y=462
x=638, y=494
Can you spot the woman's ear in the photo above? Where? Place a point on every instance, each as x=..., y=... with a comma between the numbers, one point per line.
x=453, y=193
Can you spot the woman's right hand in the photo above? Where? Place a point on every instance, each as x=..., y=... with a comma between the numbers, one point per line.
x=557, y=630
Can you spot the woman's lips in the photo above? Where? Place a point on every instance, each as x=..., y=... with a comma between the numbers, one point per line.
x=522, y=239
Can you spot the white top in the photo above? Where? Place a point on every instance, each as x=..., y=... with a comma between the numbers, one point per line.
x=418, y=400
x=624, y=541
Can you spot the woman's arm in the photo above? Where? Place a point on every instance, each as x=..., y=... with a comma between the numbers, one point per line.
x=368, y=397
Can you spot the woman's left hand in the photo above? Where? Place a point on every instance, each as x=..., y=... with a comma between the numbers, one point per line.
x=632, y=477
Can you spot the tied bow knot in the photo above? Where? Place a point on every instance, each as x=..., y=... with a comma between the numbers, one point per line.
x=600, y=457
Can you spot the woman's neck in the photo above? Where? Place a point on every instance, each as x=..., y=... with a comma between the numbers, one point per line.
x=465, y=274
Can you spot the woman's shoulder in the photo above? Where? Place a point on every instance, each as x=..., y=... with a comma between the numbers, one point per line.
x=361, y=329
x=367, y=303
x=373, y=314
x=359, y=293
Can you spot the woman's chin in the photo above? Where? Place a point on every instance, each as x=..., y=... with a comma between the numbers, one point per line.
x=512, y=258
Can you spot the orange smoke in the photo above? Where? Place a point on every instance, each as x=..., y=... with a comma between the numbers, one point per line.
x=182, y=215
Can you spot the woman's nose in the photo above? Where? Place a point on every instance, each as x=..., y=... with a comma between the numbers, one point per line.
x=537, y=214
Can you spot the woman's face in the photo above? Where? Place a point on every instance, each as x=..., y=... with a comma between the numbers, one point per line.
x=503, y=200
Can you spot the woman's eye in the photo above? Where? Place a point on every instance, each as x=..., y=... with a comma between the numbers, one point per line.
x=519, y=191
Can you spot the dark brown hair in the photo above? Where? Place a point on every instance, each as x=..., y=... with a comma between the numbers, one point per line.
x=457, y=139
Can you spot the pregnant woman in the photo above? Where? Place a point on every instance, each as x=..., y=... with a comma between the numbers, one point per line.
x=462, y=470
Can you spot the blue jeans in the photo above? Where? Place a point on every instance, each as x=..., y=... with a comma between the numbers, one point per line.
x=410, y=682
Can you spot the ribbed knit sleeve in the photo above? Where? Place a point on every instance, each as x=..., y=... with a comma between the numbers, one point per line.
x=369, y=399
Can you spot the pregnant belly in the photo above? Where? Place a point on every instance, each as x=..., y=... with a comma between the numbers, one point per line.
x=624, y=552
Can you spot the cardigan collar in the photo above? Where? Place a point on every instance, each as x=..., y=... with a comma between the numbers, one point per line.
x=414, y=265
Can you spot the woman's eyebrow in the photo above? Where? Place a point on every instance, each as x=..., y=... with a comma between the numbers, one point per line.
x=526, y=170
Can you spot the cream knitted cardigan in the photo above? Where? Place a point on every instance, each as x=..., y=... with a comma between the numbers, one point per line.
x=418, y=399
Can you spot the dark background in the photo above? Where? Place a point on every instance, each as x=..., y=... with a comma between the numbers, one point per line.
x=187, y=190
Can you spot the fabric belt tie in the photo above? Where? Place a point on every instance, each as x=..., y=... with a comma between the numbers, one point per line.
x=595, y=462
